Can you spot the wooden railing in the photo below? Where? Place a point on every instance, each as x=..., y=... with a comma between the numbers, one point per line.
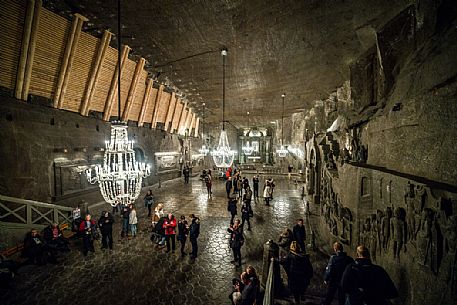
x=30, y=213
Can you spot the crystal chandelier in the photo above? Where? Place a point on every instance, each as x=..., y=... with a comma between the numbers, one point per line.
x=282, y=151
x=223, y=155
x=203, y=150
x=120, y=177
x=247, y=149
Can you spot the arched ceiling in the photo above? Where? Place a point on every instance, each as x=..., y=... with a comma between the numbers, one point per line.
x=300, y=47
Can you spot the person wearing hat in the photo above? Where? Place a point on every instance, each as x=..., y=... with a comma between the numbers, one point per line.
x=299, y=271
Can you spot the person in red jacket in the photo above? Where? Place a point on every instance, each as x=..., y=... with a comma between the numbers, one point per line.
x=170, y=232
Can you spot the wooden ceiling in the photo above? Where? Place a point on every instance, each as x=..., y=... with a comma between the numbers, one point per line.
x=302, y=48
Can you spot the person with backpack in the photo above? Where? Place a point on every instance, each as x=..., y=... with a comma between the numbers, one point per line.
x=299, y=271
x=232, y=208
x=333, y=273
x=366, y=283
x=149, y=201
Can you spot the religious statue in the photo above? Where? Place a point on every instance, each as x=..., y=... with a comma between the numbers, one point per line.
x=398, y=233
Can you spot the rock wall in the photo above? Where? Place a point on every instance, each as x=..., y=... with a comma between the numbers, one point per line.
x=45, y=151
x=380, y=154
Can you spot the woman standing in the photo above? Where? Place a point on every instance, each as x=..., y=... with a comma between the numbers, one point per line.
x=267, y=192
x=133, y=221
x=209, y=183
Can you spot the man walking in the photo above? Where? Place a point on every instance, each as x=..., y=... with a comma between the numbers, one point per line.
x=366, y=283
x=333, y=273
x=228, y=186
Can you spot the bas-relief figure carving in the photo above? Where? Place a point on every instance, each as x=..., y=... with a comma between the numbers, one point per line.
x=398, y=232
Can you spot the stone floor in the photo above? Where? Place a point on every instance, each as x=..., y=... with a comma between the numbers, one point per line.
x=137, y=273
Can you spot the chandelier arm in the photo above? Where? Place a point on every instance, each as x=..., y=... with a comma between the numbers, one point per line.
x=119, y=59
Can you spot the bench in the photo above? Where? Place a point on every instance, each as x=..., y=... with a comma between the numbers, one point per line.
x=66, y=232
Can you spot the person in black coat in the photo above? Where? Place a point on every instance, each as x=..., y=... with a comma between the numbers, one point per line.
x=228, y=186
x=255, y=185
x=236, y=241
x=299, y=271
x=334, y=272
x=366, y=283
x=300, y=234
x=232, y=208
x=194, y=232
x=36, y=249
x=105, y=223
x=183, y=231
x=245, y=214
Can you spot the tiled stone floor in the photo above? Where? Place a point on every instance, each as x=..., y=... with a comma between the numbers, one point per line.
x=137, y=273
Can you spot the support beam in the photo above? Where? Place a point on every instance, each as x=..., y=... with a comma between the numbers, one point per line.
x=192, y=123
x=170, y=112
x=197, y=125
x=31, y=49
x=144, y=105
x=131, y=95
x=188, y=120
x=155, y=112
x=67, y=60
x=182, y=119
x=112, y=93
x=24, y=48
x=176, y=115
x=93, y=79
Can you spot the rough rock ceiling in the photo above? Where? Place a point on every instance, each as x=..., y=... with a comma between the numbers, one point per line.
x=300, y=47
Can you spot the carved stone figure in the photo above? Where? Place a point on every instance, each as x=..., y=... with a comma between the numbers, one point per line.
x=449, y=266
x=373, y=237
x=424, y=242
x=385, y=229
x=398, y=233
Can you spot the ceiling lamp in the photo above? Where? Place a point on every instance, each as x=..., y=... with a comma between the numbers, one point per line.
x=282, y=151
x=120, y=177
x=223, y=155
x=203, y=150
x=247, y=149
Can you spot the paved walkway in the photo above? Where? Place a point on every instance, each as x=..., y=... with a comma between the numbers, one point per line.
x=136, y=273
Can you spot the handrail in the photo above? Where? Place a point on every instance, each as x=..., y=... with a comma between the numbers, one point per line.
x=269, y=298
x=30, y=213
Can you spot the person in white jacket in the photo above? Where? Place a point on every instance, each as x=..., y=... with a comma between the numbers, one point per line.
x=267, y=192
x=133, y=221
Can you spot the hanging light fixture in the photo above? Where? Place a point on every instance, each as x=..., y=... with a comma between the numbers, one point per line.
x=248, y=149
x=223, y=155
x=203, y=150
x=120, y=177
x=282, y=151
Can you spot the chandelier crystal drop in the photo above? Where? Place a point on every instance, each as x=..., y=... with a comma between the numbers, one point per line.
x=247, y=149
x=204, y=150
x=223, y=155
x=282, y=151
x=120, y=177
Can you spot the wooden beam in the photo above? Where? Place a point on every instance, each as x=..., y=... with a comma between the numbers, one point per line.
x=95, y=72
x=31, y=50
x=192, y=123
x=24, y=48
x=144, y=105
x=155, y=112
x=170, y=112
x=67, y=60
x=112, y=93
x=188, y=118
x=176, y=114
x=81, y=20
x=197, y=125
x=182, y=119
x=131, y=94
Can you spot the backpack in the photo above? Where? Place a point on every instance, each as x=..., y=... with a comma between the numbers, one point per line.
x=207, y=181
